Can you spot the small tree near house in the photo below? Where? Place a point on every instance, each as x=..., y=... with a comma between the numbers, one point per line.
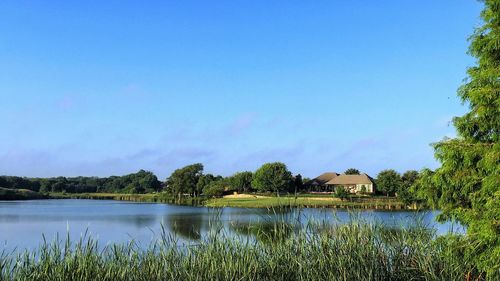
x=363, y=189
x=341, y=192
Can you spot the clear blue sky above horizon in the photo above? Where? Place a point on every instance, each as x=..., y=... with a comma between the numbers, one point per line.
x=110, y=87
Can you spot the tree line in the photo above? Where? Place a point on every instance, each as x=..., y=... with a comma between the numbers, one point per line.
x=270, y=177
x=140, y=182
x=191, y=180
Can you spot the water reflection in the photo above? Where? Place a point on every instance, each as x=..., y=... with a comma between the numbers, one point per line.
x=138, y=221
x=267, y=232
x=187, y=226
x=22, y=223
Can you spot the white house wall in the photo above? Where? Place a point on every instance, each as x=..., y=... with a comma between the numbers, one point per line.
x=369, y=187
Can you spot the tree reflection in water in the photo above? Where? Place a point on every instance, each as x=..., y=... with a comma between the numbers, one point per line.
x=187, y=226
x=264, y=231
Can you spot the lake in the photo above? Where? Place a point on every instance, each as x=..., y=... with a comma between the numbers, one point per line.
x=22, y=223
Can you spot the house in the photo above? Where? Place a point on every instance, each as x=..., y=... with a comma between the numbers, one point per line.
x=319, y=183
x=353, y=183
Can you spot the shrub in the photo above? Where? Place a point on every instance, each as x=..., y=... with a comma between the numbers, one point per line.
x=341, y=192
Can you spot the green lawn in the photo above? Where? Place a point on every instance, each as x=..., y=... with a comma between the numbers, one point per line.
x=271, y=202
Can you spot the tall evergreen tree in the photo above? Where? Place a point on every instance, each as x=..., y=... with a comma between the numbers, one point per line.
x=467, y=185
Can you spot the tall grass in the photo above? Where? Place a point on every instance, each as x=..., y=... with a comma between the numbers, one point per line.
x=354, y=251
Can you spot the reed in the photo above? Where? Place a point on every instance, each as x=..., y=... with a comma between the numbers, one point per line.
x=318, y=251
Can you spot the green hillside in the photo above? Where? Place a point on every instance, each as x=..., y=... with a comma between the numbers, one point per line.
x=19, y=194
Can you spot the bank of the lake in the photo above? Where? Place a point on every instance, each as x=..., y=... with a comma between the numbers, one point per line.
x=308, y=201
x=252, y=200
x=160, y=197
x=147, y=197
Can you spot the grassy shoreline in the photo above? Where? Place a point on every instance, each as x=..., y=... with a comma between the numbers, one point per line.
x=355, y=251
x=147, y=197
x=250, y=201
x=301, y=201
x=309, y=202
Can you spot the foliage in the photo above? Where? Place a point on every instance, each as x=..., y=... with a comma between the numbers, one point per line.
x=241, y=182
x=185, y=180
x=389, y=181
x=19, y=183
x=298, y=184
x=341, y=192
x=352, y=171
x=305, y=180
x=409, y=178
x=215, y=188
x=203, y=182
x=426, y=190
x=273, y=177
x=404, y=193
x=363, y=189
x=355, y=251
x=19, y=194
x=140, y=182
x=467, y=185
x=148, y=181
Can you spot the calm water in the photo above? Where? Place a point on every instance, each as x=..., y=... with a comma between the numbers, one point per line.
x=22, y=223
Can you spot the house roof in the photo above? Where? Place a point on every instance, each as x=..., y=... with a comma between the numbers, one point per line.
x=323, y=178
x=350, y=179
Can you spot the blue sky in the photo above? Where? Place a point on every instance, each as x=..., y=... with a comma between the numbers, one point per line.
x=110, y=87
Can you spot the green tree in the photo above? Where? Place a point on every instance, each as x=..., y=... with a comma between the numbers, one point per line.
x=147, y=181
x=298, y=184
x=352, y=171
x=426, y=190
x=3, y=182
x=341, y=192
x=60, y=184
x=203, y=182
x=363, y=189
x=273, y=177
x=242, y=181
x=389, y=182
x=467, y=185
x=409, y=178
x=185, y=180
x=215, y=188
x=405, y=194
